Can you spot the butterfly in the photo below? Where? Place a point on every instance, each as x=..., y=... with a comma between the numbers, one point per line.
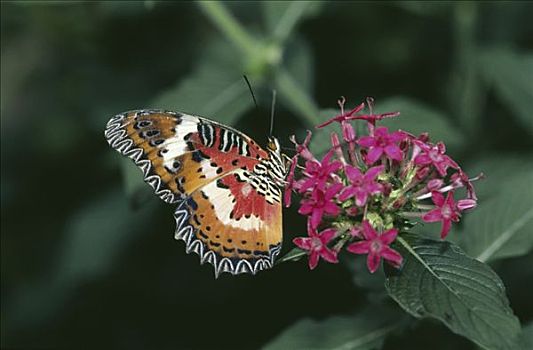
x=226, y=188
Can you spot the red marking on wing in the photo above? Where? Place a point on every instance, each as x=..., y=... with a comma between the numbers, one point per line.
x=248, y=201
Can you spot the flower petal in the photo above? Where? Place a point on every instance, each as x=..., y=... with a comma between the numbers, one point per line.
x=437, y=198
x=302, y=242
x=368, y=231
x=465, y=204
x=373, y=172
x=353, y=173
x=394, y=152
x=313, y=259
x=422, y=159
x=366, y=141
x=362, y=247
x=307, y=184
x=373, y=154
x=327, y=235
x=388, y=236
x=372, y=262
x=433, y=216
x=329, y=255
x=360, y=198
x=392, y=256
x=333, y=190
x=316, y=217
x=398, y=136
x=306, y=208
x=347, y=193
x=332, y=209
x=446, y=226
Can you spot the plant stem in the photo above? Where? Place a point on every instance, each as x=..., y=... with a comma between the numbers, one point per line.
x=228, y=25
x=289, y=20
x=296, y=97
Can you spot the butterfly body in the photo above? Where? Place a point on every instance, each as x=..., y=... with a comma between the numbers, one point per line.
x=227, y=189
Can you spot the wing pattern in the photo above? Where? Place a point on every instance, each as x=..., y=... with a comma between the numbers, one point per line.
x=228, y=211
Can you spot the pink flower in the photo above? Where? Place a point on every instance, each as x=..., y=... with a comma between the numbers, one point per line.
x=434, y=155
x=361, y=185
x=335, y=142
x=317, y=245
x=287, y=194
x=460, y=179
x=303, y=150
x=341, y=118
x=318, y=173
x=320, y=203
x=382, y=142
x=446, y=212
x=376, y=246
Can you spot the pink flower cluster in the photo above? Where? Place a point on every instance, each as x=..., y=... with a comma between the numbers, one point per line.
x=368, y=188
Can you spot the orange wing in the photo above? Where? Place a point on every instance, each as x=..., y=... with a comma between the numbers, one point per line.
x=179, y=153
x=226, y=213
x=231, y=225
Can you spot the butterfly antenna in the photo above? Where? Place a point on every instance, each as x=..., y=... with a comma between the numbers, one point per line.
x=272, y=108
x=250, y=88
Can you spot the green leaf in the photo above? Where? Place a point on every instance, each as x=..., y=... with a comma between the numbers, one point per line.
x=424, y=8
x=362, y=278
x=417, y=118
x=527, y=336
x=321, y=139
x=439, y=280
x=295, y=97
x=509, y=73
x=294, y=255
x=300, y=63
x=95, y=237
x=498, y=170
x=215, y=89
x=364, y=330
x=501, y=226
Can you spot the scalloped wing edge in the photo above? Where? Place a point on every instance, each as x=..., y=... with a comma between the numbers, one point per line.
x=185, y=232
x=118, y=139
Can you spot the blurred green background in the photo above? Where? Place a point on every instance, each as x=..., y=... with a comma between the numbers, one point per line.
x=88, y=255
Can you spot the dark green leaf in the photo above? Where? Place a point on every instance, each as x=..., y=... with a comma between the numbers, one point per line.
x=527, y=336
x=417, y=118
x=96, y=235
x=438, y=280
x=509, y=73
x=215, y=89
x=321, y=140
x=299, y=61
x=498, y=170
x=362, y=278
x=364, y=330
x=294, y=255
x=501, y=226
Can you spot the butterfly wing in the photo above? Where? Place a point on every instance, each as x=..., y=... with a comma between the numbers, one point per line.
x=202, y=166
x=179, y=153
x=232, y=225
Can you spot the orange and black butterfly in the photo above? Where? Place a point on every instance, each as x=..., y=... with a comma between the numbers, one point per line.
x=227, y=189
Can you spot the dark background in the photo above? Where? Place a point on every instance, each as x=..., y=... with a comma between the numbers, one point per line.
x=88, y=255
